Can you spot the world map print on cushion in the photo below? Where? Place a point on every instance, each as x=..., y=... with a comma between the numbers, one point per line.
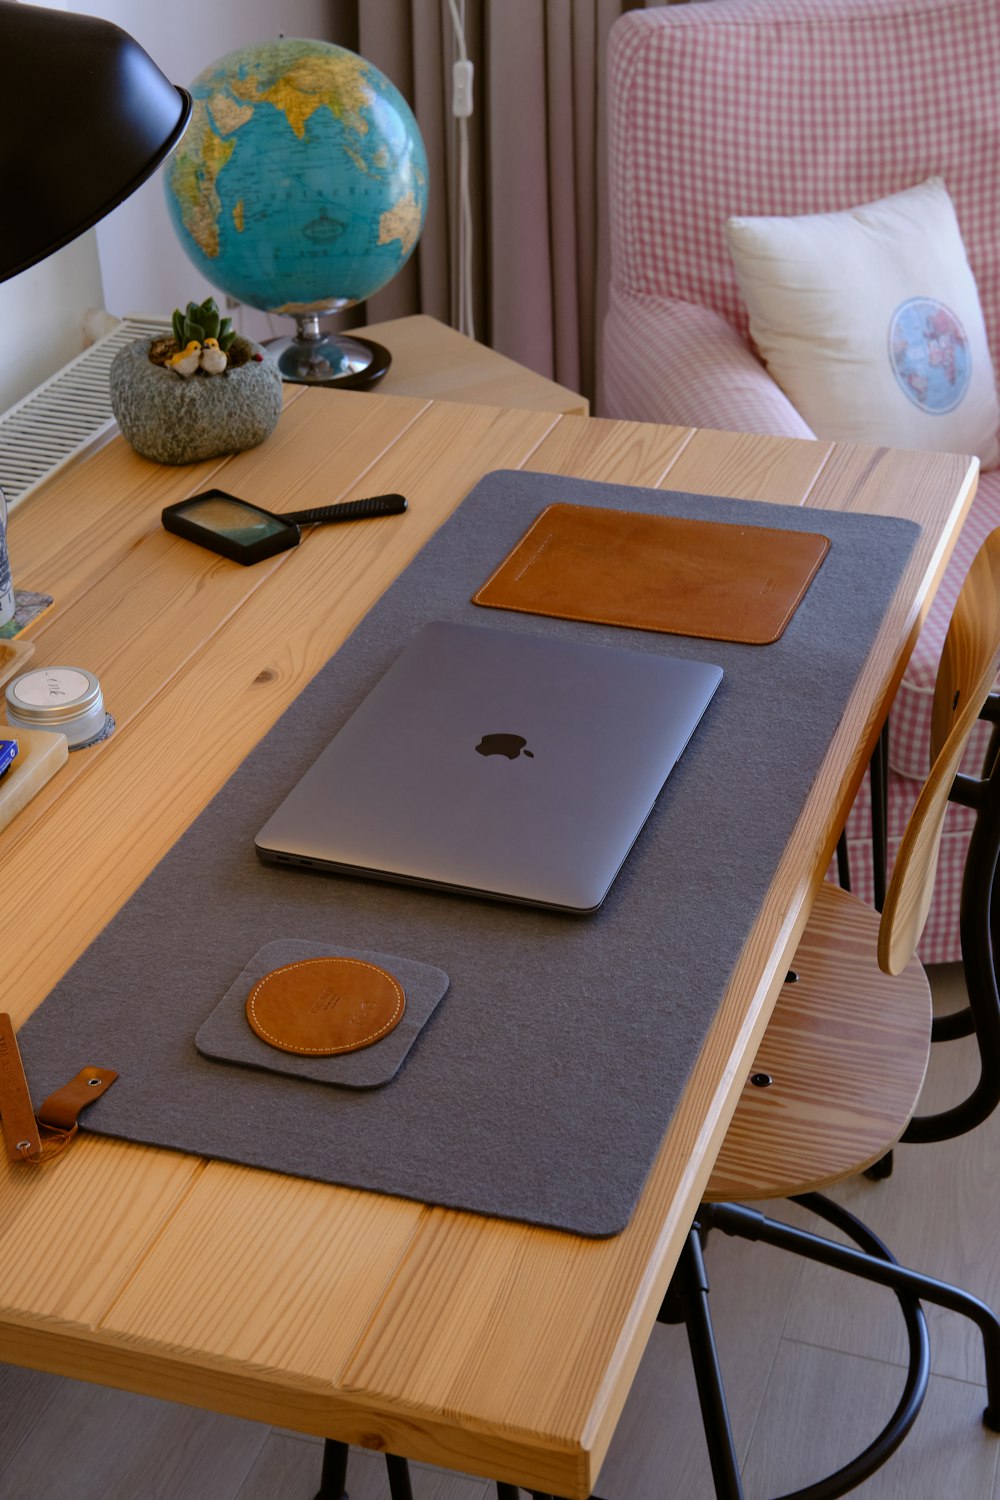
x=930, y=354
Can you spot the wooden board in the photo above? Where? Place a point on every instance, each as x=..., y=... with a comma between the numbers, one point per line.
x=40, y=753
x=14, y=657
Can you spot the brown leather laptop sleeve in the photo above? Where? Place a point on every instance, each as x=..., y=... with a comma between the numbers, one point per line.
x=710, y=579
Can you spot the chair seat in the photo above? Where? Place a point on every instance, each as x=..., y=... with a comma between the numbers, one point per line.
x=846, y=1048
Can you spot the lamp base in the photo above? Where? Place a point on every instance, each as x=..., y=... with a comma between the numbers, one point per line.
x=340, y=361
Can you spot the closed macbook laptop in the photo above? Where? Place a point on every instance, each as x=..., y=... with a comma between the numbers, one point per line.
x=497, y=764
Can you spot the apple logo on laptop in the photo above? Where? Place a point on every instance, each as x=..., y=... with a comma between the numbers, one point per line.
x=510, y=745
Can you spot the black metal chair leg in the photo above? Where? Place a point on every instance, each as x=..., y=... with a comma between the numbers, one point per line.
x=878, y=786
x=877, y=1266
x=878, y=772
x=979, y=920
x=881, y=1169
x=900, y=1278
x=334, y=1475
x=689, y=1288
x=400, y=1487
x=875, y=1262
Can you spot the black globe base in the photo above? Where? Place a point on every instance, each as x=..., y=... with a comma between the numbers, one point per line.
x=336, y=360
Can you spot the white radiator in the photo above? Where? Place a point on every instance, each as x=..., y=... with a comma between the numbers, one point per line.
x=66, y=414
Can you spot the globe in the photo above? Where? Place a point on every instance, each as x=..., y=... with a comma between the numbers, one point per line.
x=300, y=186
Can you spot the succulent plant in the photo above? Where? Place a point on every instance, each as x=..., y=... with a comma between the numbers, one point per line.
x=201, y=321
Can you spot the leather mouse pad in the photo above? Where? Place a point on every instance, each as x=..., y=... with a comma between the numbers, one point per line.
x=711, y=579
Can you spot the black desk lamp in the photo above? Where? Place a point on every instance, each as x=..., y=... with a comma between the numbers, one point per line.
x=85, y=117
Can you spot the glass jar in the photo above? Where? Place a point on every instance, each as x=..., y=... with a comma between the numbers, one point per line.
x=6, y=585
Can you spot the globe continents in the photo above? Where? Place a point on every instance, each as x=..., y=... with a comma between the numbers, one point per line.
x=930, y=354
x=301, y=184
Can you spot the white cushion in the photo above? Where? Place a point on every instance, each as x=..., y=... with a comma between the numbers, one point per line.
x=870, y=322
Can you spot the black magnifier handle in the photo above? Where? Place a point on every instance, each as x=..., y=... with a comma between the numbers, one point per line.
x=348, y=510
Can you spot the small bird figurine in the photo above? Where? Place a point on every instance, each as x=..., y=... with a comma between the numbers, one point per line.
x=186, y=361
x=213, y=359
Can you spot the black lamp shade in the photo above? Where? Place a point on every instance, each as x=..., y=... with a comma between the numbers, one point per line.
x=85, y=117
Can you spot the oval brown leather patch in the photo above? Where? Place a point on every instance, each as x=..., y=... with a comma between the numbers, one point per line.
x=321, y=1006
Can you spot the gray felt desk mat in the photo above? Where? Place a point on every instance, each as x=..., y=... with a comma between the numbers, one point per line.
x=228, y=1037
x=543, y=1088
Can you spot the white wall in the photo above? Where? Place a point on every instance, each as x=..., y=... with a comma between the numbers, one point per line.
x=133, y=261
x=42, y=312
x=142, y=263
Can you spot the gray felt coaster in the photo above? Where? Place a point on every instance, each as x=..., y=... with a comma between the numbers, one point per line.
x=543, y=1087
x=227, y=1036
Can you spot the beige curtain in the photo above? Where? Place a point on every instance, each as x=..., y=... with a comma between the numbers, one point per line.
x=536, y=153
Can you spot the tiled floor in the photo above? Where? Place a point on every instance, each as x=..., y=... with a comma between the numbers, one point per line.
x=811, y=1359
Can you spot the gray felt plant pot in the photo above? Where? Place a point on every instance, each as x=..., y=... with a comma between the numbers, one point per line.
x=176, y=421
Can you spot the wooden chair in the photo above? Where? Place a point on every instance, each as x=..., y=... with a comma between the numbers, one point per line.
x=838, y=1075
x=836, y=983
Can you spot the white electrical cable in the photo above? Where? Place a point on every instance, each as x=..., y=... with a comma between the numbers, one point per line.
x=461, y=108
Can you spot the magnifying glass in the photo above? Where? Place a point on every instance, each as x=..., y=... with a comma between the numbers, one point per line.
x=247, y=533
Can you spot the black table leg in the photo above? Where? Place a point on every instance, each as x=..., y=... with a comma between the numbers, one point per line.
x=399, y=1477
x=333, y=1481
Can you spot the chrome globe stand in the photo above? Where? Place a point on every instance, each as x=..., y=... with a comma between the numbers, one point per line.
x=313, y=357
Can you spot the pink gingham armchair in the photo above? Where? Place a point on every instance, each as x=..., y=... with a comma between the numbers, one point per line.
x=790, y=107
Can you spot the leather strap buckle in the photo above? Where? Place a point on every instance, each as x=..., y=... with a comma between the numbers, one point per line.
x=37, y=1138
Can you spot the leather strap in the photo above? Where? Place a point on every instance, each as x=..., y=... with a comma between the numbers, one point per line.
x=36, y=1138
x=61, y=1110
x=20, y=1130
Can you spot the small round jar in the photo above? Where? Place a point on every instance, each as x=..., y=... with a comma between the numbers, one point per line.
x=66, y=699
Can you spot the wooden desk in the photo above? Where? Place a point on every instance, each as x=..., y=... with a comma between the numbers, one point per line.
x=467, y=1342
x=431, y=359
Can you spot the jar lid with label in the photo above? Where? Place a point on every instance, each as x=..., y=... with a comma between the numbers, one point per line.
x=66, y=699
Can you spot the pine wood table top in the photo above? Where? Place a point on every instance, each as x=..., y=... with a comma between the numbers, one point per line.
x=477, y=1344
x=431, y=359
